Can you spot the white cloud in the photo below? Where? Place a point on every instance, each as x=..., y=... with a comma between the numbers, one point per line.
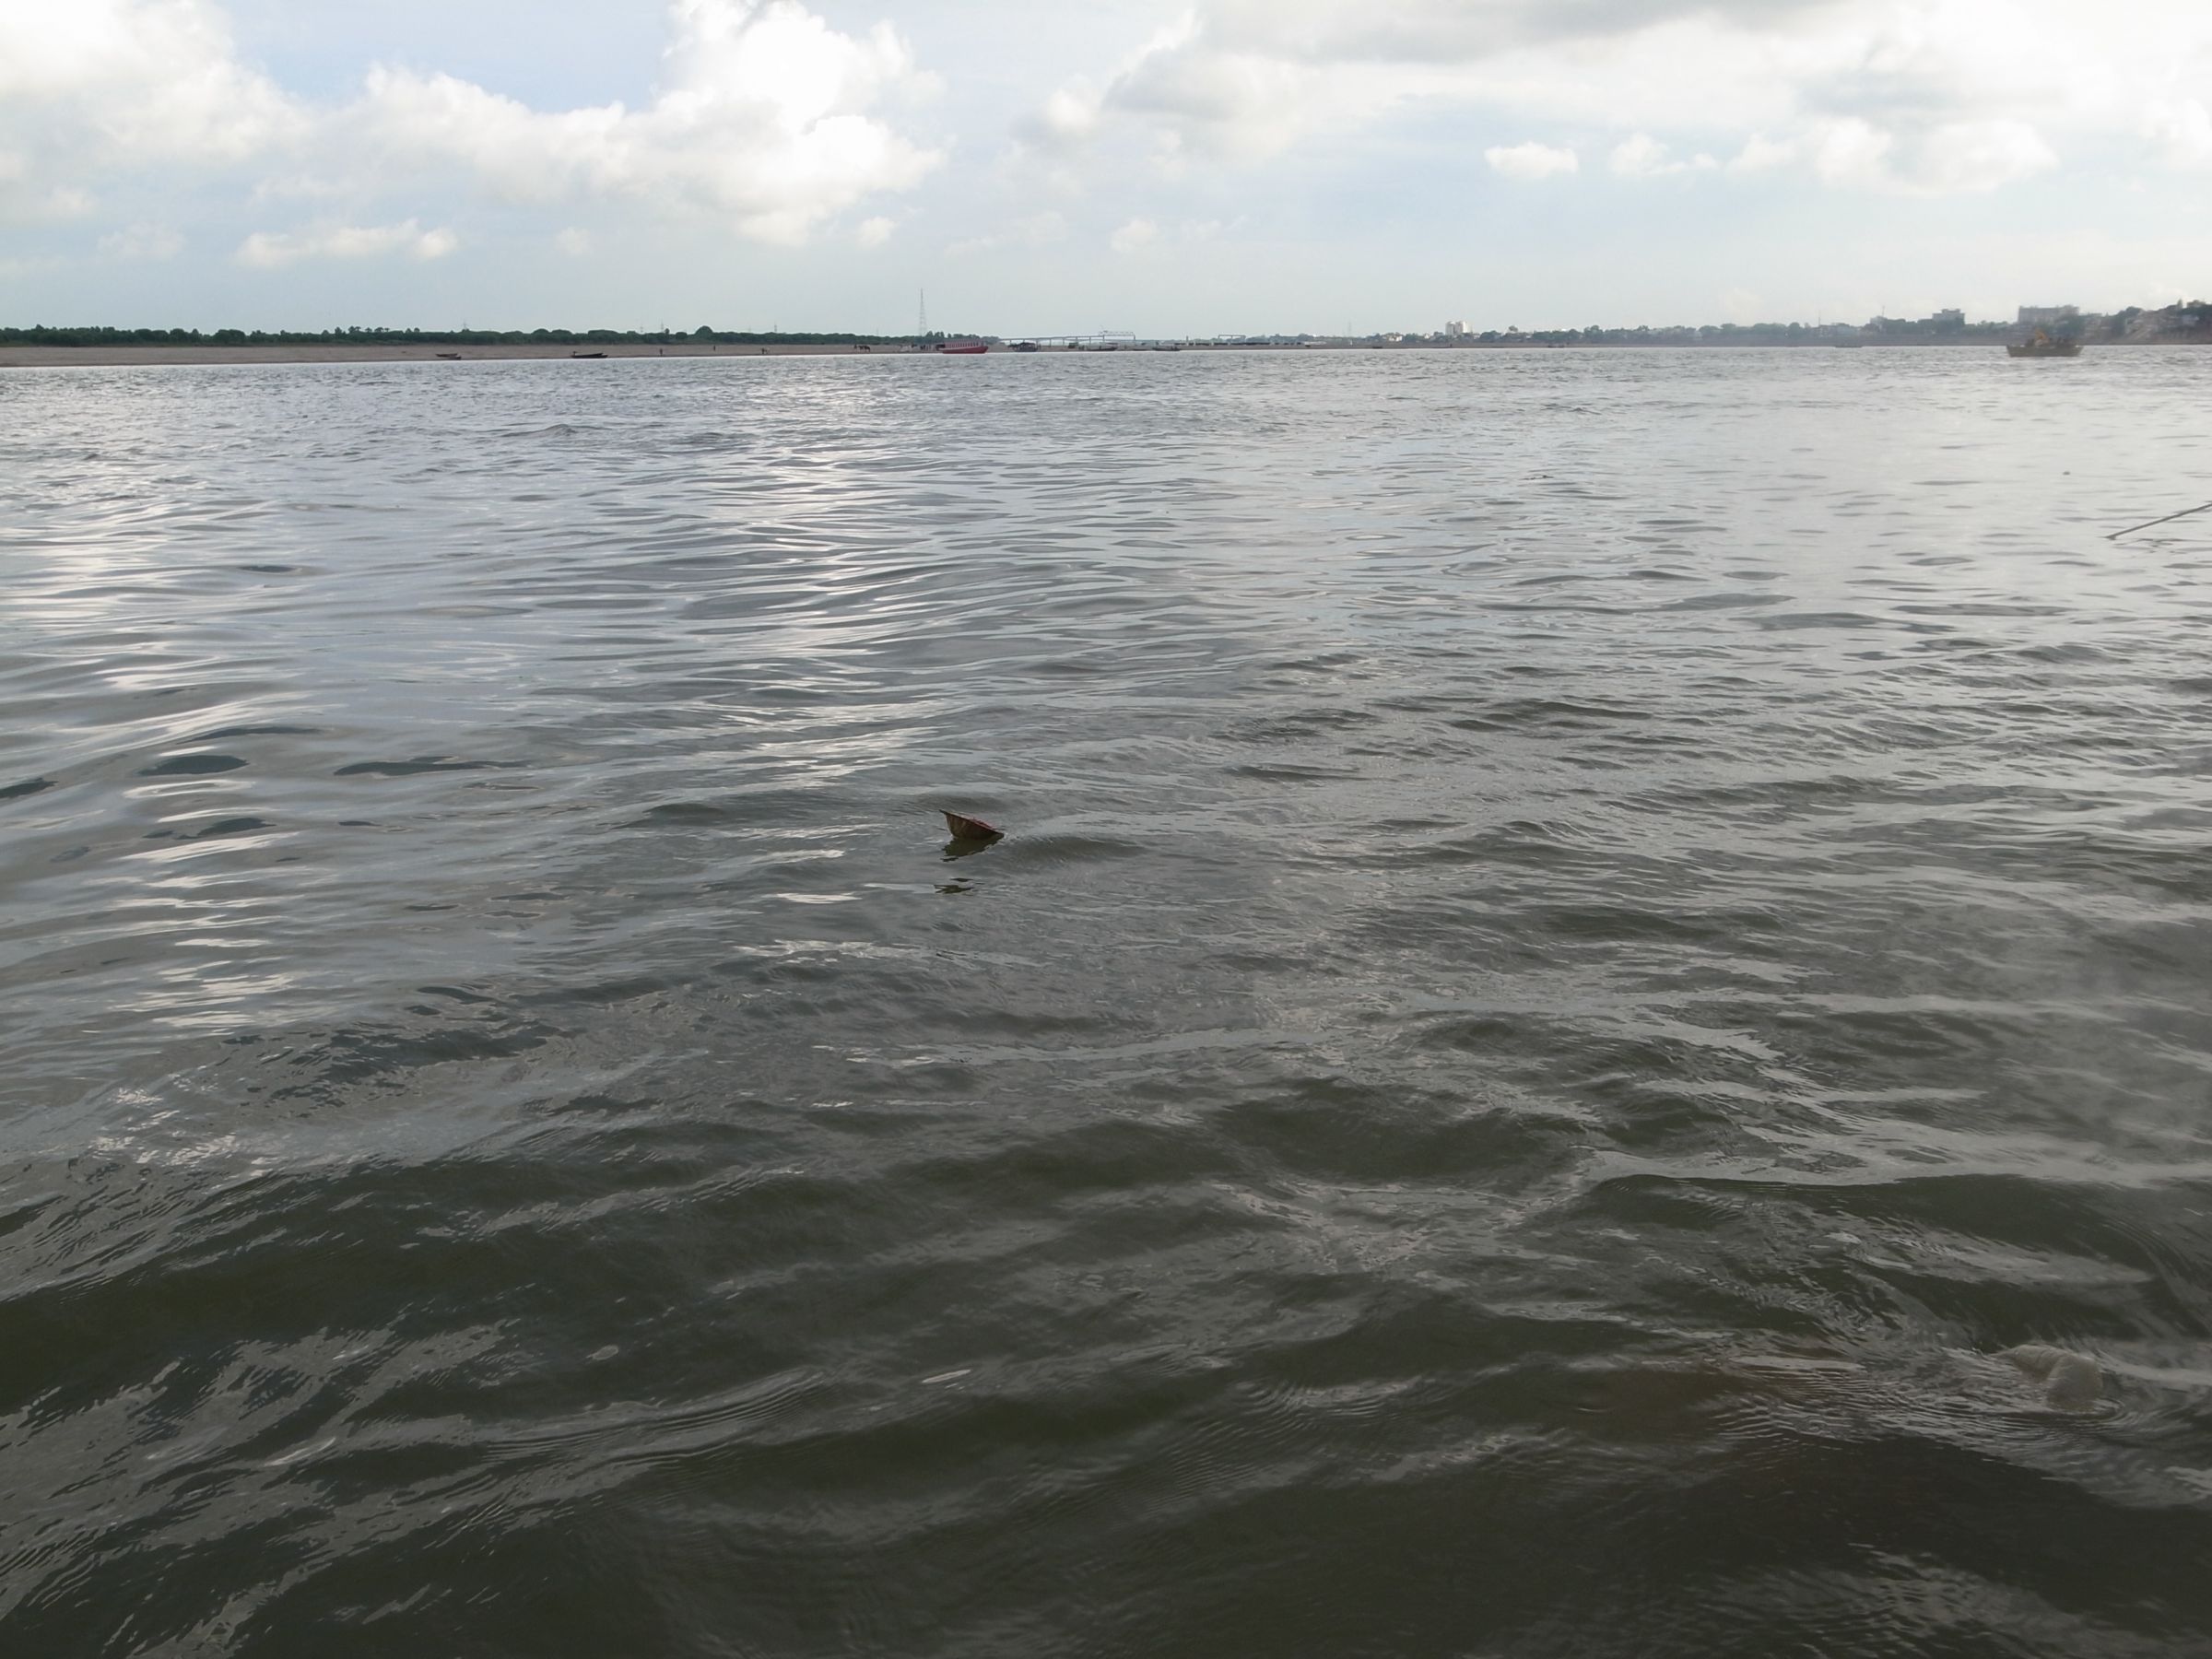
x=1404, y=31
x=873, y=233
x=574, y=241
x=1222, y=100
x=1958, y=158
x=763, y=116
x=1243, y=79
x=1135, y=236
x=1970, y=157
x=142, y=242
x=1068, y=116
x=1924, y=97
x=1639, y=158
x=1851, y=152
x=26, y=202
x=1034, y=231
x=1643, y=156
x=107, y=81
x=1763, y=154
x=25, y=199
x=2183, y=130
x=1531, y=160
x=269, y=251
x=760, y=117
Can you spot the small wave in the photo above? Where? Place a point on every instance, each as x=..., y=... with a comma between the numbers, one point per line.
x=420, y=764
x=191, y=766
x=216, y=830
x=226, y=733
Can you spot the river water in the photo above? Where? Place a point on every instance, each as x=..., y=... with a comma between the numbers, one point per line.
x=1584, y=940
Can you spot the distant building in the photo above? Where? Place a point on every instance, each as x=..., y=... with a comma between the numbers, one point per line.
x=1456, y=331
x=2043, y=317
x=1947, y=319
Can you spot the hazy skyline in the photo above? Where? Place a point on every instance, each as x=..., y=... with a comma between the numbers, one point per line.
x=1233, y=164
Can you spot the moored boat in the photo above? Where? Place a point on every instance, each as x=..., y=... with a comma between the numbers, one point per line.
x=2044, y=343
x=963, y=347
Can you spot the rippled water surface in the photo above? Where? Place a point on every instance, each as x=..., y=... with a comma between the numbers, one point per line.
x=1584, y=940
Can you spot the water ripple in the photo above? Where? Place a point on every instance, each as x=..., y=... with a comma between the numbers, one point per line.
x=1585, y=941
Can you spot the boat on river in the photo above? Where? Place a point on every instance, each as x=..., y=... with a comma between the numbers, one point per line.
x=963, y=347
x=2042, y=343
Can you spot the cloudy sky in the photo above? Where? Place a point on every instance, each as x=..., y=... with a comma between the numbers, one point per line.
x=1186, y=166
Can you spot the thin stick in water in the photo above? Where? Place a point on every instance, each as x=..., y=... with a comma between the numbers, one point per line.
x=2169, y=519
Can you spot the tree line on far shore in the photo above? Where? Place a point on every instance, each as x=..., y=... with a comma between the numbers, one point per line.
x=89, y=335
x=2188, y=323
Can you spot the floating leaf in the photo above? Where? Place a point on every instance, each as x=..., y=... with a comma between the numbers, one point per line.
x=972, y=829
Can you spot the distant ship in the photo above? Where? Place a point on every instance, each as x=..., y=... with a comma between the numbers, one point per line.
x=963, y=347
x=2042, y=344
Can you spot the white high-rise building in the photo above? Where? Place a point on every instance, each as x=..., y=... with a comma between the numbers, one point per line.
x=1456, y=331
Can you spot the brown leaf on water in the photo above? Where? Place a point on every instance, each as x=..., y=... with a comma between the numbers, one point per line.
x=972, y=829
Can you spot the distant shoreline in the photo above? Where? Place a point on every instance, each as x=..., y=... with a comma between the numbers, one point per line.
x=138, y=357
x=150, y=355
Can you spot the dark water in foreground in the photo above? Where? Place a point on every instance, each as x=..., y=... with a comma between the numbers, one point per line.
x=1584, y=937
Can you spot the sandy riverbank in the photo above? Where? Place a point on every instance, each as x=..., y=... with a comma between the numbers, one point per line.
x=86, y=357
x=49, y=357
